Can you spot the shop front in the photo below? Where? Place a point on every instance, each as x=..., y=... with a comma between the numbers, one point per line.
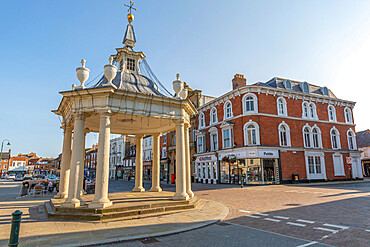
x=147, y=168
x=206, y=169
x=250, y=166
x=164, y=170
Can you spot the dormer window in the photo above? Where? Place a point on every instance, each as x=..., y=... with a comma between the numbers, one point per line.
x=324, y=91
x=304, y=87
x=130, y=64
x=287, y=84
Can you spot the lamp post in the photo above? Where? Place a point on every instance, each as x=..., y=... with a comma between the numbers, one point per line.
x=1, y=152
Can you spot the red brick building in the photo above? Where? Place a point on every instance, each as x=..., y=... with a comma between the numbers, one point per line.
x=4, y=162
x=274, y=131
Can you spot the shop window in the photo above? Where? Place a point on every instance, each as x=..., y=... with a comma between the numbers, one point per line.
x=249, y=103
x=351, y=140
x=282, y=106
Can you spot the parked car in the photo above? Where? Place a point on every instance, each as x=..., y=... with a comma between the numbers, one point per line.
x=10, y=176
x=27, y=177
x=19, y=177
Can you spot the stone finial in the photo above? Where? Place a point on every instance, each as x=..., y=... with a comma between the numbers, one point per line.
x=73, y=86
x=83, y=62
x=82, y=74
x=111, y=60
x=178, y=76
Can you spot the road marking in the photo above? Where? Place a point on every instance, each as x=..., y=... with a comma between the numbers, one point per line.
x=326, y=229
x=306, y=221
x=367, y=230
x=262, y=214
x=275, y=220
x=245, y=211
x=341, y=227
x=281, y=217
x=308, y=244
x=295, y=224
x=253, y=216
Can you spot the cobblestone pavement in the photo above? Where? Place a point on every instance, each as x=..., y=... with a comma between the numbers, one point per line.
x=333, y=214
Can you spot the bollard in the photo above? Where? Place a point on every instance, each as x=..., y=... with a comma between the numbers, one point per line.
x=16, y=222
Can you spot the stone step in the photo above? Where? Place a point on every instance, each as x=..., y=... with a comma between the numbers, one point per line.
x=136, y=212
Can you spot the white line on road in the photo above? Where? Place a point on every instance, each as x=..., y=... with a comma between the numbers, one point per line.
x=308, y=244
x=269, y=219
x=245, y=211
x=281, y=217
x=295, y=224
x=306, y=221
x=262, y=214
x=341, y=227
x=326, y=229
x=367, y=230
x=252, y=216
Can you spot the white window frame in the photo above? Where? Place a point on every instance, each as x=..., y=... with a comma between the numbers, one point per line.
x=212, y=113
x=337, y=136
x=288, y=141
x=202, y=137
x=312, y=110
x=305, y=114
x=281, y=106
x=348, y=119
x=309, y=136
x=164, y=152
x=321, y=175
x=225, y=110
x=213, y=132
x=245, y=131
x=202, y=120
x=338, y=168
x=230, y=128
x=254, y=100
x=319, y=137
x=332, y=108
x=353, y=140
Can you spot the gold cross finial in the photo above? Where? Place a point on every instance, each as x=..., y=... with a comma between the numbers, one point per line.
x=130, y=7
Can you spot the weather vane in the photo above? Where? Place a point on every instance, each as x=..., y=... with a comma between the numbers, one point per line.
x=130, y=7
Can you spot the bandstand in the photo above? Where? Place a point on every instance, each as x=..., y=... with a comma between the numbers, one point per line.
x=123, y=102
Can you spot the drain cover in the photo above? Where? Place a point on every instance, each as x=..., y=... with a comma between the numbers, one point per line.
x=149, y=240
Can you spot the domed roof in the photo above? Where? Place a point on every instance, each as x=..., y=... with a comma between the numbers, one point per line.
x=133, y=83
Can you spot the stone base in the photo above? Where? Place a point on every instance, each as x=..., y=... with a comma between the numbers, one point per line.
x=70, y=205
x=155, y=189
x=190, y=193
x=181, y=197
x=100, y=204
x=59, y=196
x=138, y=189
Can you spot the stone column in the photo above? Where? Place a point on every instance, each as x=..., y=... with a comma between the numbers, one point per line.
x=102, y=169
x=76, y=162
x=65, y=165
x=180, y=164
x=139, y=165
x=82, y=172
x=156, y=165
x=188, y=163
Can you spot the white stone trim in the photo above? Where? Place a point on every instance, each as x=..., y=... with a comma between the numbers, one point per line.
x=353, y=139
x=349, y=119
x=337, y=136
x=338, y=168
x=334, y=113
x=255, y=103
x=287, y=134
x=285, y=108
x=322, y=175
x=231, y=110
x=257, y=128
x=214, y=109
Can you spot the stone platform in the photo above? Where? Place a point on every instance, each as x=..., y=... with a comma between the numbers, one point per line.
x=126, y=206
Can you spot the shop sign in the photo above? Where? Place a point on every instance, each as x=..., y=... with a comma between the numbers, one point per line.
x=268, y=153
x=206, y=158
x=349, y=160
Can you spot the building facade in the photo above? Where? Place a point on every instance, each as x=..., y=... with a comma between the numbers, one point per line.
x=276, y=132
x=4, y=162
x=363, y=140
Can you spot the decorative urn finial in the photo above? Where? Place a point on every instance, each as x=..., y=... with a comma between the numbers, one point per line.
x=110, y=72
x=82, y=74
x=178, y=86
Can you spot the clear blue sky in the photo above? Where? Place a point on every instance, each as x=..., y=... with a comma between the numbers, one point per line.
x=207, y=41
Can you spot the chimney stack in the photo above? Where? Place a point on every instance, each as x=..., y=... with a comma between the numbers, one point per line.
x=239, y=81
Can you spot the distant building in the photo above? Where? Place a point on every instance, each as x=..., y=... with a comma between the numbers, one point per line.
x=363, y=141
x=91, y=155
x=128, y=168
x=18, y=165
x=4, y=161
x=118, y=149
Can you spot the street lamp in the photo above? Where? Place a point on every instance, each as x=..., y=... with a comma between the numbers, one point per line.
x=2, y=145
